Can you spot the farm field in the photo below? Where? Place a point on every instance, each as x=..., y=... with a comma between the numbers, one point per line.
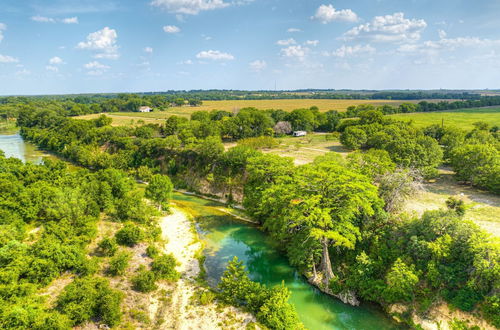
x=124, y=118
x=463, y=118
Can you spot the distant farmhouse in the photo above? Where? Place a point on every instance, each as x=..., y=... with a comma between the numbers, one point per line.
x=145, y=109
x=299, y=133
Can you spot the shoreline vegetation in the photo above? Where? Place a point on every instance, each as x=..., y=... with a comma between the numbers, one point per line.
x=337, y=218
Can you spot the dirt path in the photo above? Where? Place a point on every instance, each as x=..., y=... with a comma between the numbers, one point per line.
x=183, y=313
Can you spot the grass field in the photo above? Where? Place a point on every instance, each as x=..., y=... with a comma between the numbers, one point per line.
x=482, y=207
x=463, y=118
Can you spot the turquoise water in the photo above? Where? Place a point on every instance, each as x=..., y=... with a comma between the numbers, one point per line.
x=226, y=237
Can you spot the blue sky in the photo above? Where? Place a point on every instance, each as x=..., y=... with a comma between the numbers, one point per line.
x=80, y=46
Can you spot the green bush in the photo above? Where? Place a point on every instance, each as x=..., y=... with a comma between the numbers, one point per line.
x=144, y=281
x=107, y=246
x=118, y=264
x=152, y=251
x=129, y=235
x=88, y=298
x=164, y=267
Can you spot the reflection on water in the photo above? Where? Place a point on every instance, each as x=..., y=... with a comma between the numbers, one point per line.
x=226, y=237
x=13, y=145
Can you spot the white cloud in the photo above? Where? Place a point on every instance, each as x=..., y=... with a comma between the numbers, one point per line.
x=189, y=7
x=148, y=50
x=258, y=65
x=70, y=20
x=312, y=42
x=42, y=19
x=350, y=51
x=52, y=68
x=102, y=41
x=95, y=65
x=187, y=62
x=442, y=34
x=286, y=42
x=389, y=28
x=8, y=59
x=95, y=68
x=3, y=27
x=297, y=52
x=431, y=47
x=56, y=60
x=291, y=30
x=171, y=29
x=327, y=13
x=214, y=55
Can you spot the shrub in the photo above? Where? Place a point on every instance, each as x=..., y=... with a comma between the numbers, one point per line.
x=118, y=264
x=144, y=281
x=164, y=267
x=107, y=246
x=152, y=251
x=129, y=235
x=90, y=297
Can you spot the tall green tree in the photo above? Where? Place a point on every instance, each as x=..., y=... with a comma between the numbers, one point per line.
x=159, y=190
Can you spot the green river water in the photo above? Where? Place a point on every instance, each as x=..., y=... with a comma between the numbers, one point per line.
x=225, y=237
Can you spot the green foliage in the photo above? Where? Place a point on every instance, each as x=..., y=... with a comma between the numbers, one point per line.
x=118, y=264
x=270, y=306
x=455, y=204
x=152, y=251
x=129, y=235
x=107, y=246
x=163, y=267
x=159, y=189
x=144, y=281
x=401, y=282
x=89, y=297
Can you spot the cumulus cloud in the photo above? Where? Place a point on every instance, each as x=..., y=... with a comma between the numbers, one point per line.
x=8, y=59
x=3, y=27
x=103, y=42
x=327, y=13
x=214, y=55
x=56, y=60
x=286, y=42
x=70, y=20
x=148, y=50
x=350, y=51
x=312, y=42
x=297, y=52
x=291, y=30
x=258, y=65
x=189, y=7
x=42, y=19
x=388, y=28
x=442, y=34
x=171, y=29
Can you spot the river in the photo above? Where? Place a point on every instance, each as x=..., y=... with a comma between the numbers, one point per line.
x=225, y=237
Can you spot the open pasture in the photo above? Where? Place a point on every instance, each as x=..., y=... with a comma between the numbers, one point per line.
x=462, y=118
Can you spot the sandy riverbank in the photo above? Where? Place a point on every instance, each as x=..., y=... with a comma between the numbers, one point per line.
x=182, y=312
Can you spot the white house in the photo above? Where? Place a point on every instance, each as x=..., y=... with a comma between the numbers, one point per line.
x=145, y=109
x=299, y=133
